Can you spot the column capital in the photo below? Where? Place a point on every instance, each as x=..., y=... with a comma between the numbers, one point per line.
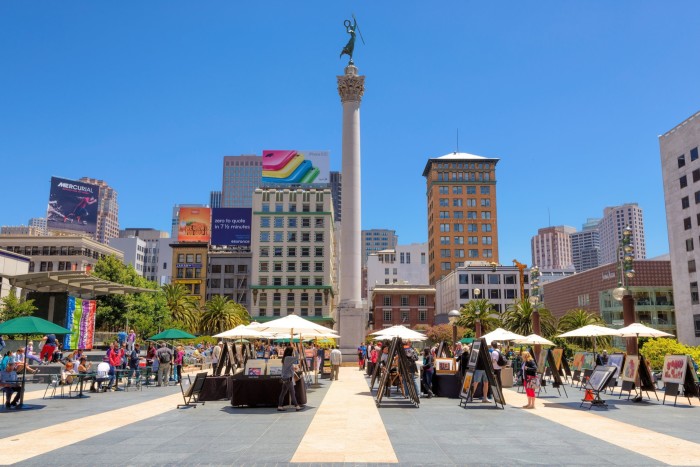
x=351, y=86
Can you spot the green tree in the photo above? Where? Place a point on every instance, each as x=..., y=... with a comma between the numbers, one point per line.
x=221, y=313
x=578, y=318
x=443, y=332
x=182, y=307
x=518, y=319
x=654, y=351
x=14, y=307
x=480, y=309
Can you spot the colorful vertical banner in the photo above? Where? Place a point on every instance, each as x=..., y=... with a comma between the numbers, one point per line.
x=80, y=320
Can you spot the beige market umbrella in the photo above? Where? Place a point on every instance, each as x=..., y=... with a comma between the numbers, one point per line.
x=591, y=330
x=293, y=324
x=638, y=330
x=534, y=339
x=500, y=334
x=242, y=332
x=399, y=331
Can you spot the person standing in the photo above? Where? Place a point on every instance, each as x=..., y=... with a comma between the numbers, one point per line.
x=495, y=357
x=165, y=356
x=372, y=359
x=289, y=367
x=530, y=374
x=336, y=360
x=115, y=356
x=179, y=358
x=134, y=361
x=412, y=367
x=130, y=341
x=47, y=350
x=121, y=338
x=216, y=354
x=428, y=370
x=361, y=355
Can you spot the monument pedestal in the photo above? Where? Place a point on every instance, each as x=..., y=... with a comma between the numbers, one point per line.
x=352, y=322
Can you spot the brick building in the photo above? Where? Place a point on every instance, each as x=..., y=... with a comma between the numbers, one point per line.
x=405, y=304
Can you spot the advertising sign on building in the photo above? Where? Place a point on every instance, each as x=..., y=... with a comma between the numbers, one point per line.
x=231, y=226
x=72, y=206
x=194, y=225
x=292, y=167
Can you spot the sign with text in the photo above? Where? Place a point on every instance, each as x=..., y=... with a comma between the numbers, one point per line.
x=231, y=226
x=72, y=206
x=194, y=225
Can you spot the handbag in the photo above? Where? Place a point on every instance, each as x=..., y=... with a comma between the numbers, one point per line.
x=533, y=382
x=295, y=377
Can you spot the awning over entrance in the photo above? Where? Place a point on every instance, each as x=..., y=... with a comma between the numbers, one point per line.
x=72, y=282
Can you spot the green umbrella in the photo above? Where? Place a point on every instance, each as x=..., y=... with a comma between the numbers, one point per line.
x=27, y=326
x=466, y=340
x=171, y=334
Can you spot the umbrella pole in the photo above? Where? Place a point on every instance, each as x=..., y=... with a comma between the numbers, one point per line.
x=24, y=371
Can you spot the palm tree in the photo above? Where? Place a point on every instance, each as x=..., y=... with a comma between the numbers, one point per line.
x=578, y=318
x=482, y=310
x=518, y=319
x=181, y=305
x=221, y=313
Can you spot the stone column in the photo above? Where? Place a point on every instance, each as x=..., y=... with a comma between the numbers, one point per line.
x=351, y=316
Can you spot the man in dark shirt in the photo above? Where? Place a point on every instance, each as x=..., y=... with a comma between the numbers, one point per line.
x=9, y=383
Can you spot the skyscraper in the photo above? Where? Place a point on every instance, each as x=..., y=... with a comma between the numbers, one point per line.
x=107, y=211
x=241, y=176
x=585, y=246
x=374, y=240
x=337, y=193
x=215, y=199
x=614, y=221
x=680, y=168
x=462, y=215
x=551, y=247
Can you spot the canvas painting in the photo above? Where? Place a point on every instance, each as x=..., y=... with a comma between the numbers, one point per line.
x=588, y=361
x=557, y=353
x=541, y=361
x=674, y=369
x=274, y=367
x=467, y=383
x=579, y=357
x=600, y=376
x=616, y=360
x=631, y=368
x=255, y=371
x=445, y=366
x=255, y=368
x=474, y=355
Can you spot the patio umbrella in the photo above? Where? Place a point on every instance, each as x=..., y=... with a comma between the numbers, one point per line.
x=639, y=330
x=399, y=331
x=534, y=339
x=591, y=330
x=26, y=326
x=500, y=334
x=241, y=331
x=293, y=324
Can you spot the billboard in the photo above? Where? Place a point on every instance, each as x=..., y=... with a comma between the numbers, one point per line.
x=72, y=206
x=194, y=225
x=231, y=226
x=292, y=167
x=80, y=319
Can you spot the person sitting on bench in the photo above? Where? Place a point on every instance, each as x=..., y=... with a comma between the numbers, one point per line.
x=10, y=383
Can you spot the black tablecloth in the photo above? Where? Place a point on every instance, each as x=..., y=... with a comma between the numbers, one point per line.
x=447, y=385
x=261, y=391
x=216, y=388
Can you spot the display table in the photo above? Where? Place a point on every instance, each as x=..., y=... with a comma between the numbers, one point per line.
x=447, y=385
x=216, y=388
x=261, y=391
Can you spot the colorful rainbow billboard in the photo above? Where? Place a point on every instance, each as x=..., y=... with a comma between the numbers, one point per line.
x=292, y=167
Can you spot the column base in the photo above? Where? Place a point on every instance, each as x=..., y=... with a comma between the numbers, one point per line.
x=352, y=325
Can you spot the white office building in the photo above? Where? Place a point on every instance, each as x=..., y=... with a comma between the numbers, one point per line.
x=611, y=226
x=148, y=250
x=405, y=264
x=680, y=168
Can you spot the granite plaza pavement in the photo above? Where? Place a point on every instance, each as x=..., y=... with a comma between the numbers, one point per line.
x=341, y=424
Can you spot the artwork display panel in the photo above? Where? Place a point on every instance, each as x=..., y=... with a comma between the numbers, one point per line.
x=255, y=368
x=631, y=368
x=674, y=369
x=467, y=384
x=541, y=361
x=274, y=367
x=445, y=366
x=617, y=360
x=588, y=361
x=600, y=376
x=474, y=355
x=577, y=364
x=557, y=354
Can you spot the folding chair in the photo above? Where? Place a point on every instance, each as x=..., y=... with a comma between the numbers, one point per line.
x=54, y=384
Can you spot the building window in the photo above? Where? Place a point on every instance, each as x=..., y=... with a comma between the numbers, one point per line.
x=689, y=244
x=456, y=190
x=443, y=190
x=445, y=266
x=685, y=202
x=387, y=316
x=387, y=300
x=404, y=316
x=422, y=301
x=444, y=215
x=457, y=202
x=471, y=214
x=422, y=315
x=473, y=253
x=443, y=241
x=691, y=265
x=404, y=300
x=444, y=202
x=683, y=181
x=264, y=266
x=459, y=253
x=485, y=202
x=697, y=197
x=319, y=237
x=486, y=214
x=485, y=190
x=463, y=279
x=681, y=161
x=494, y=279
x=264, y=236
x=694, y=299
x=473, y=240
x=445, y=253
x=292, y=222
x=693, y=154
x=291, y=251
x=494, y=294
x=318, y=266
x=459, y=227
x=279, y=222
x=686, y=223
x=265, y=222
x=477, y=279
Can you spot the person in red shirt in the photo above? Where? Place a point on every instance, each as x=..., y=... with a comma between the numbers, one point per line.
x=114, y=355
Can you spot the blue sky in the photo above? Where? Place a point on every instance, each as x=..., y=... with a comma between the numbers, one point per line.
x=149, y=96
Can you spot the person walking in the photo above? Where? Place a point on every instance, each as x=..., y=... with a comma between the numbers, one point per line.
x=289, y=367
x=164, y=356
x=336, y=360
x=530, y=374
x=49, y=346
x=177, y=361
x=216, y=354
x=495, y=357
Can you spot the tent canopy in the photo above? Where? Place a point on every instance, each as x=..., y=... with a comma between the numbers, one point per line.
x=500, y=334
x=534, y=339
x=399, y=331
x=240, y=332
x=591, y=330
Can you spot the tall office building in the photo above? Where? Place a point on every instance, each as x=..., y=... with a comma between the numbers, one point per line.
x=680, y=168
x=241, y=176
x=611, y=226
x=38, y=223
x=107, y=211
x=148, y=250
x=551, y=247
x=337, y=193
x=374, y=240
x=462, y=216
x=585, y=246
x=215, y=199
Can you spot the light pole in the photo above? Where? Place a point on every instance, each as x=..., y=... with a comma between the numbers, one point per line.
x=622, y=292
x=477, y=324
x=534, y=300
x=453, y=316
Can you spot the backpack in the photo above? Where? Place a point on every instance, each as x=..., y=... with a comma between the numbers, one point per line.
x=164, y=357
x=502, y=361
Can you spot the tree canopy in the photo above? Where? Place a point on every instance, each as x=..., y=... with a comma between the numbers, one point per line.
x=13, y=306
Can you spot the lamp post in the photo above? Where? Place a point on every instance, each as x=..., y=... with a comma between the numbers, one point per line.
x=622, y=292
x=477, y=324
x=453, y=316
x=534, y=300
